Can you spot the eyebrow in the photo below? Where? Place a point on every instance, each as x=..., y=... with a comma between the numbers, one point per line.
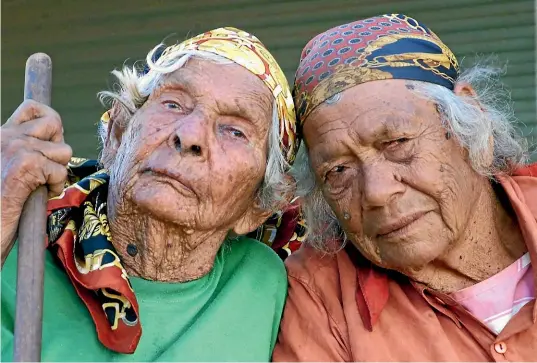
x=249, y=108
x=238, y=108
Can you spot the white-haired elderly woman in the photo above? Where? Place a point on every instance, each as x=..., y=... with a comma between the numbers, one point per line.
x=195, y=156
x=419, y=168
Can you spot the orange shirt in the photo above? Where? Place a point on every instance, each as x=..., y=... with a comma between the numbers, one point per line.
x=341, y=308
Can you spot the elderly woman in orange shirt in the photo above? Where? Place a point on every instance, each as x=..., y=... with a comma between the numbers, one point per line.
x=416, y=186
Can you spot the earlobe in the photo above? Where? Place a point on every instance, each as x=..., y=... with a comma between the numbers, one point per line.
x=252, y=219
x=257, y=215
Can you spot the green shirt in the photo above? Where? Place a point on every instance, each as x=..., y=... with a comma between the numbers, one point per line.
x=231, y=314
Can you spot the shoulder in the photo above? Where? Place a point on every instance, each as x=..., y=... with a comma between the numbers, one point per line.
x=258, y=259
x=317, y=271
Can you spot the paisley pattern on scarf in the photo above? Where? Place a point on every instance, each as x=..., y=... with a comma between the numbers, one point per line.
x=79, y=235
x=390, y=46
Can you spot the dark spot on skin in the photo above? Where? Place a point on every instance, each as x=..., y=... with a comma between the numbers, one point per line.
x=158, y=129
x=409, y=86
x=460, y=257
x=132, y=250
x=442, y=168
x=448, y=135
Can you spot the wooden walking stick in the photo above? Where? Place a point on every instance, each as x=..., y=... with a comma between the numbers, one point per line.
x=32, y=234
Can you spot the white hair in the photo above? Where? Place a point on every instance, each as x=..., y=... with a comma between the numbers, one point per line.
x=474, y=121
x=133, y=89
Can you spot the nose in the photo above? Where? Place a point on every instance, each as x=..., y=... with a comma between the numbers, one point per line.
x=190, y=138
x=380, y=185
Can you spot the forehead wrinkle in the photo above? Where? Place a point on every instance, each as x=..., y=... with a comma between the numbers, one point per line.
x=256, y=106
x=180, y=79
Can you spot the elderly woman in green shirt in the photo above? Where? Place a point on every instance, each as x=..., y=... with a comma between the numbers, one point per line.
x=195, y=155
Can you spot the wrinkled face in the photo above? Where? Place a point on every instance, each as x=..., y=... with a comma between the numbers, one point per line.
x=195, y=153
x=401, y=187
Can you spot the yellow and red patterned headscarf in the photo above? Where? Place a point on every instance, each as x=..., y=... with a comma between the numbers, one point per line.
x=247, y=51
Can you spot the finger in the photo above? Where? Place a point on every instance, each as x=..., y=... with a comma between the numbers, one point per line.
x=60, y=153
x=56, y=175
x=47, y=128
x=27, y=170
x=29, y=110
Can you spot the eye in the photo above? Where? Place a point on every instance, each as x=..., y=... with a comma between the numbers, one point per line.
x=335, y=171
x=338, y=169
x=237, y=133
x=396, y=142
x=233, y=132
x=172, y=105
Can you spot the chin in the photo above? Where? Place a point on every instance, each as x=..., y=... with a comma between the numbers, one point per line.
x=411, y=257
x=163, y=203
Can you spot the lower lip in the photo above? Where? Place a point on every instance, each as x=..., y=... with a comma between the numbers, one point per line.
x=174, y=183
x=403, y=231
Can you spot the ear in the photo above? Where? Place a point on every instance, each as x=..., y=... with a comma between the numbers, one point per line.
x=256, y=215
x=253, y=218
x=464, y=89
x=114, y=133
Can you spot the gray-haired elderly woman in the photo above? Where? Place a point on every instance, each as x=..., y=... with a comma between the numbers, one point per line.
x=195, y=156
x=419, y=168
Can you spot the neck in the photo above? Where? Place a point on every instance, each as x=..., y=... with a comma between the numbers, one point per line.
x=154, y=250
x=491, y=242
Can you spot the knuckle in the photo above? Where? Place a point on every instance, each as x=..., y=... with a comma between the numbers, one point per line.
x=55, y=119
x=27, y=160
x=23, y=168
x=53, y=126
x=29, y=104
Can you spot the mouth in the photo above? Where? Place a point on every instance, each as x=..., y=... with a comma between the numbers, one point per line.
x=400, y=227
x=170, y=178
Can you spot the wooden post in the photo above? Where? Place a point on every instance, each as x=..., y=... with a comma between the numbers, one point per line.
x=32, y=235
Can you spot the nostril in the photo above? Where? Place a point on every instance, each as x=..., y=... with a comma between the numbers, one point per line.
x=196, y=149
x=177, y=143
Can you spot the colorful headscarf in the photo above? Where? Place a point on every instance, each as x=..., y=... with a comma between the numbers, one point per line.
x=391, y=46
x=247, y=51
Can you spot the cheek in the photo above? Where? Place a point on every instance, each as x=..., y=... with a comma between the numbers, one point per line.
x=236, y=172
x=444, y=176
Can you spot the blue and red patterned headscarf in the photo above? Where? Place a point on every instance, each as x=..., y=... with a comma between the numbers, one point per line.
x=391, y=46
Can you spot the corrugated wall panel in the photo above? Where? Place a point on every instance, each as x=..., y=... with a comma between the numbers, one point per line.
x=87, y=39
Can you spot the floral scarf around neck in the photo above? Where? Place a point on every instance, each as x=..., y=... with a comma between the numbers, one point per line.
x=79, y=236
